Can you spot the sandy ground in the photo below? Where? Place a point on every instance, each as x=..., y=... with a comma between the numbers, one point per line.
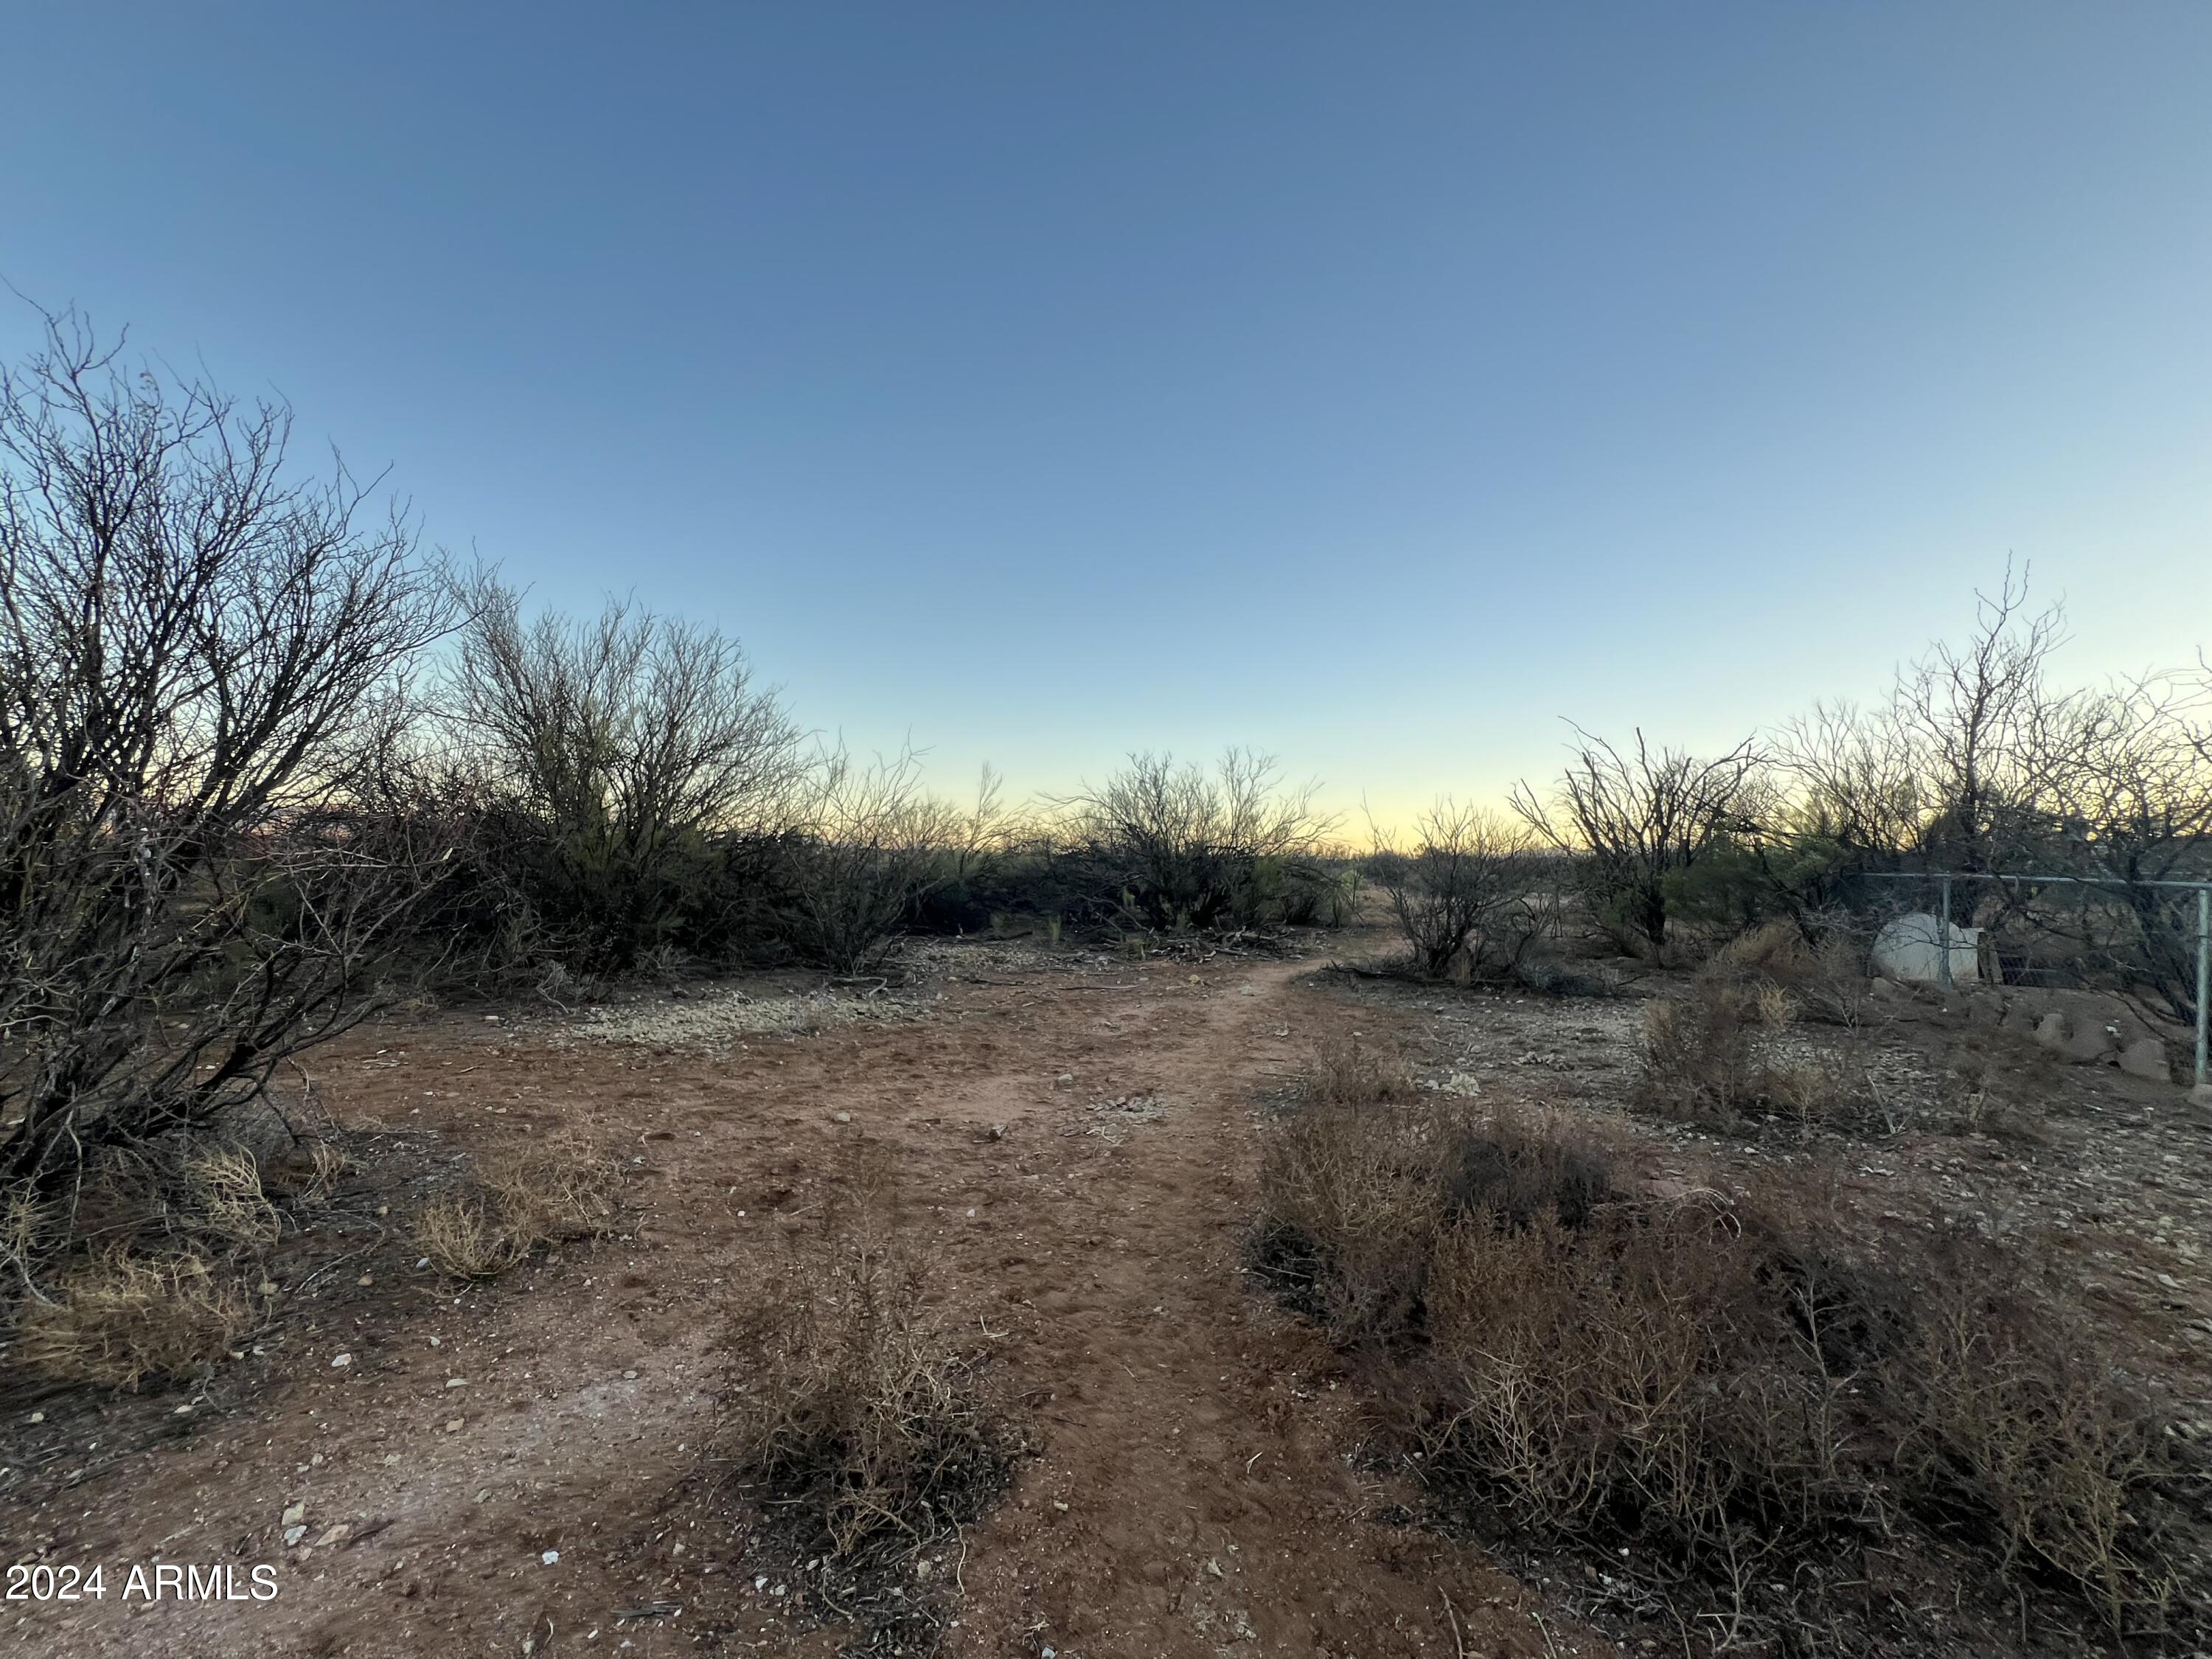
x=516, y=1466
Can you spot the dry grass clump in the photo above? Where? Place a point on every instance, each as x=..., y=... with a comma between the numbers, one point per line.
x=227, y=1198
x=462, y=1234
x=119, y=1318
x=1994, y=1086
x=187, y=1231
x=853, y=1418
x=563, y=1188
x=1826, y=976
x=311, y=1172
x=1738, y=1399
x=1351, y=1068
x=1716, y=1053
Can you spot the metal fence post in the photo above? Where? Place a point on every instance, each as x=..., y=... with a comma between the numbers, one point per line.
x=1943, y=930
x=2204, y=972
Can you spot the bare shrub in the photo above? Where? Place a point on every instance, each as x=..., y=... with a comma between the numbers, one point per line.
x=1356, y=1193
x=1700, y=1058
x=1996, y=1086
x=1464, y=896
x=1518, y=1171
x=851, y=1414
x=1350, y=1207
x=1177, y=848
x=1715, y=1052
x=1825, y=976
x=1730, y=1390
x=118, y=1318
x=1632, y=1367
x=1636, y=821
x=607, y=756
x=872, y=843
x=1349, y=1069
x=2013, y=1416
x=203, y=665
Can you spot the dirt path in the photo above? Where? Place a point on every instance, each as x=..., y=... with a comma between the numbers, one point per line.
x=1192, y=1494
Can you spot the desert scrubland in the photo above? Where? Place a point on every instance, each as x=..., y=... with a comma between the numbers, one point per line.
x=504, y=1134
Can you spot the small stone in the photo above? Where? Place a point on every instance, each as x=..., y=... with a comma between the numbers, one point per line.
x=391, y=1457
x=457, y=1382
x=339, y=1362
x=366, y=1278
x=336, y=1535
x=295, y=1513
x=454, y=1426
x=38, y=1417
x=2146, y=1058
x=842, y=1117
x=1066, y=1078
x=293, y=1536
x=630, y=1377
x=551, y=1558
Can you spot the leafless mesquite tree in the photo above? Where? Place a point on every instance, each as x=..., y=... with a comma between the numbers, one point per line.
x=1186, y=847
x=1461, y=892
x=1985, y=731
x=1635, y=819
x=1979, y=762
x=2129, y=799
x=614, y=747
x=203, y=660
x=873, y=842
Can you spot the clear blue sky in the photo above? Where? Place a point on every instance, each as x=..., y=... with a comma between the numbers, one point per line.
x=1372, y=383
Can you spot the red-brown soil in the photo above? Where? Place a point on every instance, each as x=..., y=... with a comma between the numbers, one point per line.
x=1198, y=1486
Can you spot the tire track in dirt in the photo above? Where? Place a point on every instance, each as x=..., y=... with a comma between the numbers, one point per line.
x=1193, y=1495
